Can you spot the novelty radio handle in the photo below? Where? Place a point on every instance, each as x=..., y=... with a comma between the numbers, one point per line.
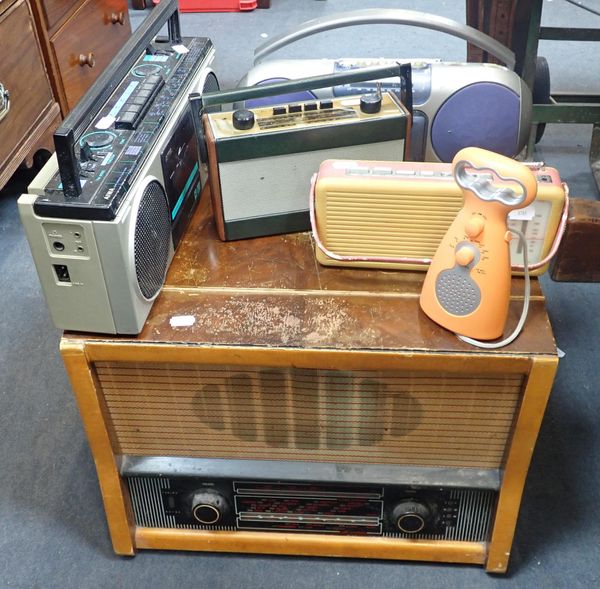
x=89, y=106
x=389, y=16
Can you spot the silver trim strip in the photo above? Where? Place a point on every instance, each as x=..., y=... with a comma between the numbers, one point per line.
x=175, y=466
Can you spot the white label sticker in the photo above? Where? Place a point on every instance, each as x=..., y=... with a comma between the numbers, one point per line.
x=525, y=214
x=105, y=122
x=180, y=49
x=182, y=321
x=344, y=164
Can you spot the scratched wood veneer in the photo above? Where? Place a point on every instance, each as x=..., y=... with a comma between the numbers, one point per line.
x=288, y=360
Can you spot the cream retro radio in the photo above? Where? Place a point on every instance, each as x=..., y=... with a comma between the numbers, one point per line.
x=261, y=160
x=395, y=214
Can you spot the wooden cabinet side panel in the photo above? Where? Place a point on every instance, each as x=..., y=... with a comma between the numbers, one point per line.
x=114, y=492
x=526, y=432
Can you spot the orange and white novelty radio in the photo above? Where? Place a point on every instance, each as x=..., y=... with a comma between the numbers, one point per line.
x=467, y=286
x=393, y=215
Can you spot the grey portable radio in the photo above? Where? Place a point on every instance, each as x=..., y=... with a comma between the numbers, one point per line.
x=104, y=216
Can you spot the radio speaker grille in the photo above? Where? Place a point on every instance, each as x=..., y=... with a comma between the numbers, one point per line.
x=375, y=417
x=211, y=84
x=407, y=225
x=152, y=237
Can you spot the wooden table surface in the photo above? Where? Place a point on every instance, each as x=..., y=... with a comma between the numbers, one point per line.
x=272, y=292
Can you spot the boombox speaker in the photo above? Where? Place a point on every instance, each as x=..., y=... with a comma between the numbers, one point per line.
x=292, y=409
x=456, y=105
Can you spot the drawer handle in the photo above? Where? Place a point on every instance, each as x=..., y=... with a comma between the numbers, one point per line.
x=4, y=101
x=117, y=17
x=88, y=59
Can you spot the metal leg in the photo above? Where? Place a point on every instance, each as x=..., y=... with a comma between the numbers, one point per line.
x=531, y=142
x=595, y=153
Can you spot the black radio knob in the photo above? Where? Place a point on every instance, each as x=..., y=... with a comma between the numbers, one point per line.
x=243, y=119
x=209, y=507
x=410, y=516
x=370, y=103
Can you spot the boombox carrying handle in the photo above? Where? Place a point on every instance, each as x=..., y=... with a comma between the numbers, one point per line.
x=89, y=106
x=202, y=101
x=388, y=16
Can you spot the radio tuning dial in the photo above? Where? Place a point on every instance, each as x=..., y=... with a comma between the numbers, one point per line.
x=209, y=507
x=474, y=226
x=243, y=119
x=410, y=516
x=464, y=255
x=370, y=103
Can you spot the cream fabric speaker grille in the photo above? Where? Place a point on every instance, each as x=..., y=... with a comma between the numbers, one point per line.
x=407, y=225
x=375, y=417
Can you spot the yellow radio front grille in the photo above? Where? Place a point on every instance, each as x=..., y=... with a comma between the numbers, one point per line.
x=362, y=224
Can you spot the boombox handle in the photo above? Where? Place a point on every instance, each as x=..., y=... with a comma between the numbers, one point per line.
x=388, y=16
x=199, y=102
x=89, y=106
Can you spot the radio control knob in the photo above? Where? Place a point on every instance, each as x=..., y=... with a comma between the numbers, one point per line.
x=243, y=119
x=464, y=255
x=370, y=103
x=474, y=226
x=209, y=507
x=411, y=517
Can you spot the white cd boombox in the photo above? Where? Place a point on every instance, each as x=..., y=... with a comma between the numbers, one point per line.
x=103, y=224
x=455, y=105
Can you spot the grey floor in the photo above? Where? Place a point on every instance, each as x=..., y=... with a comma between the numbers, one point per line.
x=52, y=527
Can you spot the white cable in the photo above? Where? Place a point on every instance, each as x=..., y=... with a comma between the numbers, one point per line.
x=522, y=319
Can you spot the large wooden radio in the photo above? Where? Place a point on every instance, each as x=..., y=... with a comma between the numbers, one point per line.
x=274, y=405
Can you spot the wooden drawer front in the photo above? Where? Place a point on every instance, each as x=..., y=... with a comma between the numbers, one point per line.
x=4, y=4
x=91, y=31
x=23, y=75
x=54, y=10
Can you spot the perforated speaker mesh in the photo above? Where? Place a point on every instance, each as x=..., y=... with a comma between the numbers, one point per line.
x=152, y=238
x=211, y=84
